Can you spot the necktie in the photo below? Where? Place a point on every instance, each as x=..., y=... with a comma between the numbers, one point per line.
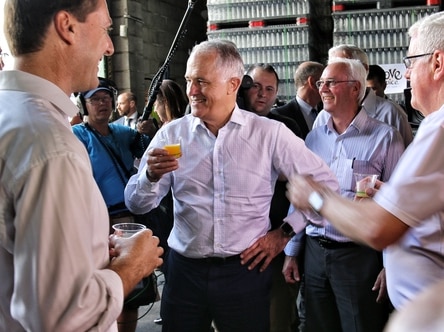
x=313, y=114
x=128, y=122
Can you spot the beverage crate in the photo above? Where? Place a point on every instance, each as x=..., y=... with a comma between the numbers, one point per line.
x=381, y=33
x=276, y=35
x=222, y=11
x=346, y=5
x=283, y=33
x=380, y=20
x=284, y=47
x=286, y=70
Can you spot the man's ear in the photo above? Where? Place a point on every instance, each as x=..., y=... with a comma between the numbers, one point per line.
x=438, y=62
x=357, y=87
x=312, y=82
x=233, y=85
x=65, y=25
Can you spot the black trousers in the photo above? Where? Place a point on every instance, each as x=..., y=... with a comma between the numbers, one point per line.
x=199, y=291
x=338, y=289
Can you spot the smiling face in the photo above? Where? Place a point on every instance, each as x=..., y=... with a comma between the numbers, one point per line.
x=263, y=93
x=342, y=97
x=92, y=43
x=212, y=95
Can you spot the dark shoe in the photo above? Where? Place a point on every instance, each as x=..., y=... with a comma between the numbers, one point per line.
x=158, y=321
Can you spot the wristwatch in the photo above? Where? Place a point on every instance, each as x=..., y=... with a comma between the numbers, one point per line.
x=287, y=229
x=316, y=201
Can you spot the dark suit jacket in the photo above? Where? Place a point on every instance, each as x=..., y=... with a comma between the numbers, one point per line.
x=279, y=202
x=293, y=111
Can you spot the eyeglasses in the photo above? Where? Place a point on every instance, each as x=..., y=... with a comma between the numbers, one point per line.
x=3, y=55
x=331, y=83
x=98, y=100
x=409, y=63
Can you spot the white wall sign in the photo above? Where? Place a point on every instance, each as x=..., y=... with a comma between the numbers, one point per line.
x=394, y=76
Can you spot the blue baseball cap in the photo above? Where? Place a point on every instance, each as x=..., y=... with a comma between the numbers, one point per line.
x=89, y=94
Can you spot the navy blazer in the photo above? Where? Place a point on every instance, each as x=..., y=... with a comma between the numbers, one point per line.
x=293, y=111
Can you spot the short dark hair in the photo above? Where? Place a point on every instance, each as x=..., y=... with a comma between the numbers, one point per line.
x=27, y=22
x=265, y=67
x=375, y=72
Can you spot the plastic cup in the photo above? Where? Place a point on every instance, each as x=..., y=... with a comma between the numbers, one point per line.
x=128, y=229
x=173, y=147
x=363, y=182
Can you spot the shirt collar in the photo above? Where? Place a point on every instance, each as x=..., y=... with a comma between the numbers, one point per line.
x=23, y=81
x=132, y=116
x=306, y=108
x=357, y=123
x=237, y=116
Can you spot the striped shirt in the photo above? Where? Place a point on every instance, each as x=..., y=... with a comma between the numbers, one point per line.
x=368, y=146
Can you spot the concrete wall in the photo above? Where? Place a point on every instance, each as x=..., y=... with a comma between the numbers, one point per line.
x=143, y=33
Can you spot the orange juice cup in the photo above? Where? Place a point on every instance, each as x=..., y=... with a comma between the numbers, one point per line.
x=363, y=182
x=173, y=147
x=174, y=150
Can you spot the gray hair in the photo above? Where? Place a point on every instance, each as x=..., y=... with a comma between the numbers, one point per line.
x=356, y=72
x=429, y=30
x=228, y=58
x=349, y=51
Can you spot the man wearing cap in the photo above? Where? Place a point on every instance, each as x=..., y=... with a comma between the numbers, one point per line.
x=112, y=149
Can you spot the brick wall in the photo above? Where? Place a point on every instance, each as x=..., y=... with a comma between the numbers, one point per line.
x=143, y=33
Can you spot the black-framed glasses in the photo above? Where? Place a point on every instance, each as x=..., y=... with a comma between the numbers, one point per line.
x=97, y=100
x=408, y=59
x=331, y=83
x=3, y=55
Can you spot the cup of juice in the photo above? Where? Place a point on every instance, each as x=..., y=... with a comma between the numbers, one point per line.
x=173, y=147
x=363, y=182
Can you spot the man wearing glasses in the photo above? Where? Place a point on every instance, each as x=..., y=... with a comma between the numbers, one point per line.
x=406, y=215
x=343, y=280
x=382, y=109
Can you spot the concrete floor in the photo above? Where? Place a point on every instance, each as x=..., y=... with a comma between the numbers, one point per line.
x=149, y=313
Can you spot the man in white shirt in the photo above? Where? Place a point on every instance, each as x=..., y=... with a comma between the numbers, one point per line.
x=222, y=185
x=59, y=269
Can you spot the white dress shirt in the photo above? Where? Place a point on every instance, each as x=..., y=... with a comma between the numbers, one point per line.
x=53, y=220
x=415, y=195
x=223, y=187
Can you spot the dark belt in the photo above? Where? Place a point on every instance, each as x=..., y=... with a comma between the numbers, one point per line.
x=327, y=243
x=216, y=260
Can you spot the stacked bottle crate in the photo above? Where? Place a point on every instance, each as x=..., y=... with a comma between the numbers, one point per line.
x=380, y=29
x=282, y=33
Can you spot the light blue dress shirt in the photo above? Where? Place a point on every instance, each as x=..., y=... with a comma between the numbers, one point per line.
x=223, y=187
x=368, y=146
x=381, y=109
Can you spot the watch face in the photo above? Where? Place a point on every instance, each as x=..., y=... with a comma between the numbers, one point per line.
x=316, y=201
x=287, y=229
